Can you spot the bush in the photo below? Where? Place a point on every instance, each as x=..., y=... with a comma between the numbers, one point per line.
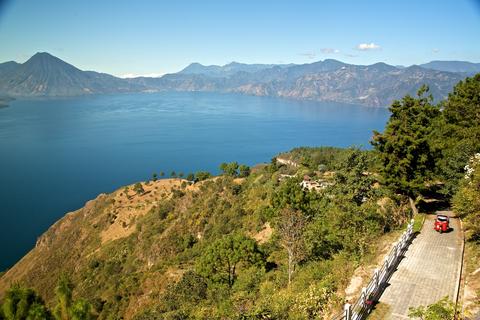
x=138, y=188
x=443, y=309
x=229, y=169
x=190, y=290
x=202, y=175
x=244, y=171
x=466, y=201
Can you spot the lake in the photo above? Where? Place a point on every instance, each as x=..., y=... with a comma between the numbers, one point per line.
x=58, y=153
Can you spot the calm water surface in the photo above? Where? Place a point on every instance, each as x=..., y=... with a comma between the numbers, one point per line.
x=56, y=154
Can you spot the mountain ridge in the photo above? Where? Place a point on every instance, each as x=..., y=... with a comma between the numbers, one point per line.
x=374, y=85
x=453, y=66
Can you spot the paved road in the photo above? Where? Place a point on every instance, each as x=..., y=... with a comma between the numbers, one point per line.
x=428, y=272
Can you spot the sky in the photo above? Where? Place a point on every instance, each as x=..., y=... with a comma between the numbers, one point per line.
x=130, y=38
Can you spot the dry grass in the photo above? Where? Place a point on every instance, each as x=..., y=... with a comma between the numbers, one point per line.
x=129, y=205
x=265, y=234
x=364, y=273
x=471, y=294
x=380, y=312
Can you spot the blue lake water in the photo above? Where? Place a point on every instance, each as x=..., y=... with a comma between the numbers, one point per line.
x=55, y=154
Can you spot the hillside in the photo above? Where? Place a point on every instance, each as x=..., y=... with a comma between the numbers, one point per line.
x=375, y=85
x=277, y=241
x=144, y=253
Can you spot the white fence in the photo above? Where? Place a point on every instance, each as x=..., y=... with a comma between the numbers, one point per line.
x=362, y=307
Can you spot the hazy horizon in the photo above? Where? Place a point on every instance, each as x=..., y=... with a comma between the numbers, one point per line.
x=222, y=65
x=150, y=38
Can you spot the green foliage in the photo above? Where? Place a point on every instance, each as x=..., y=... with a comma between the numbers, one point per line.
x=457, y=132
x=63, y=293
x=244, y=171
x=352, y=178
x=404, y=148
x=318, y=158
x=466, y=201
x=66, y=308
x=229, y=169
x=202, y=175
x=138, y=188
x=23, y=303
x=154, y=177
x=81, y=310
x=222, y=258
x=233, y=276
x=173, y=174
x=418, y=222
x=190, y=290
x=443, y=309
x=190, y=177
x=313, y=302
x=291, y=194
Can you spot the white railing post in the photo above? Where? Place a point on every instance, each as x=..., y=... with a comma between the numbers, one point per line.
x=364, y=296
x=387, y=263
x=348, y=311
x=378, y=279
x=376, y=276
x=397, y=250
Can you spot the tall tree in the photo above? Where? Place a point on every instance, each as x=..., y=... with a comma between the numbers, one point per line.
x=222, y=258
x=405, y=148
x=352, y=177
x=457, y=133
x=291, y=225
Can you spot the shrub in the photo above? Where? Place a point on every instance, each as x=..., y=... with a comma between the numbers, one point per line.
x=443, y=309
x=202, y=175
x=138, y=188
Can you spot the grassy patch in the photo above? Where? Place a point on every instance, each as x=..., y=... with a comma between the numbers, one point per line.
x=380, y=311
x=418, y=220
x=471, y=300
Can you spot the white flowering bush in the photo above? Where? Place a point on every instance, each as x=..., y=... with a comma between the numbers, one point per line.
x=466, y=202
x=470, y=167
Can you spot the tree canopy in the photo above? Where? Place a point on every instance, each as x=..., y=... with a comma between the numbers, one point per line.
x=222, y=258
x=457, y=132
x=404, y=148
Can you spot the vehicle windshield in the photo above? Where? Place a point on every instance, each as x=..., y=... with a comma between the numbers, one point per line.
x=442, y=218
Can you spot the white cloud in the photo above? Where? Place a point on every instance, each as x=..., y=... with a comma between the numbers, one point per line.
x=132, y=75
x=435, y=50
x=309, y=55
x=367, y=46
x=329, y=50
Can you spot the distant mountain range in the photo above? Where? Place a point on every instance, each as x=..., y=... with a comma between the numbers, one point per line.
x=453, y=66
x=329, y=80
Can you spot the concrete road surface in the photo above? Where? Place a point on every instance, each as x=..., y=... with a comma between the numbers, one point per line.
x=428, y=272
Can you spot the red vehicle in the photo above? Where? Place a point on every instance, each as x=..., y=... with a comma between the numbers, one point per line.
x=442, y=223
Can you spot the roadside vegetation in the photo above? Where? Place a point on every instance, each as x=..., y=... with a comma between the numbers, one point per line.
x=253, y=243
